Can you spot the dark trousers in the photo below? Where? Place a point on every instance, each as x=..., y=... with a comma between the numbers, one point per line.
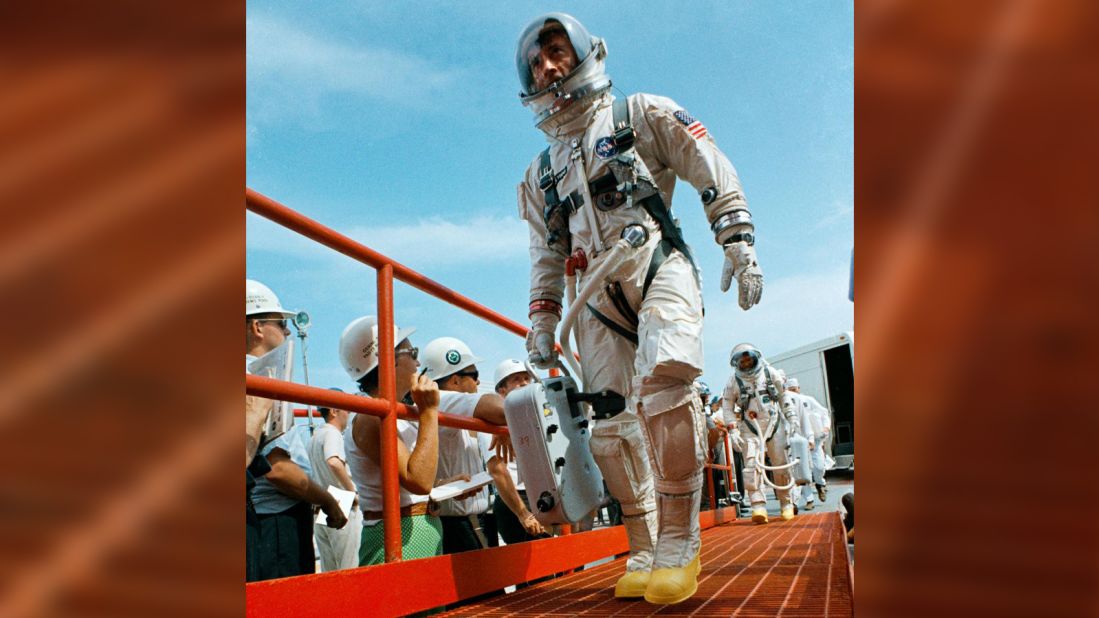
x=508, y=524
x=251, y=543
x=285, y=544
x=459, y=535
x=488, y=528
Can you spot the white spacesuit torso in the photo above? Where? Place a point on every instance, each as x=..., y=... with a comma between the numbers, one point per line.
x=667, y=142
x=766, y=400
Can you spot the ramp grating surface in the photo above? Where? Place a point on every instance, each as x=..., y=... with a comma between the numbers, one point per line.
x=794, y=568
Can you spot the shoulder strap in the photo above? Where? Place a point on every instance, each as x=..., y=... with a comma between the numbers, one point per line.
x=547, y=180
x=623, y=129
x=745, y=395
x=654, y=204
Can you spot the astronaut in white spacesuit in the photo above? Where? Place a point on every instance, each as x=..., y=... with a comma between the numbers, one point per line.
x=607, y=174
x=815, y=426
x=754, y=400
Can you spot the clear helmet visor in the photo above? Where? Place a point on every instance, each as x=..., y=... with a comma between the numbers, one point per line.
x=746, y=362
x=558, y=62
x=542, y=40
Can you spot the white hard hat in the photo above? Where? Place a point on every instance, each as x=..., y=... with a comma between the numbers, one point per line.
x=446, y=356
x=792, y=383
x=259, y=298
x=506, y=368
x=359, y=345
x=701, y=387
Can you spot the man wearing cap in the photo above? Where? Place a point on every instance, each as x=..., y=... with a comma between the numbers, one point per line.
x=417, y=444
x=339, y=549
x=451, y=363
x=279, y=538
x=816, y=427
x=513, y=517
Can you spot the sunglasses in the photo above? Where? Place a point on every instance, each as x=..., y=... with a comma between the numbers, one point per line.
x=413, y=353
x=280, y=322
x=468, y=374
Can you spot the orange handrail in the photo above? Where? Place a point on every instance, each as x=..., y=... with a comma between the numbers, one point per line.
x=387, y=407
x=270, y=209
x=325, y=398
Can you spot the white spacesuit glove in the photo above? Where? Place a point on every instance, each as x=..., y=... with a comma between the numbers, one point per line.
x=740, y=262
x=540, y=340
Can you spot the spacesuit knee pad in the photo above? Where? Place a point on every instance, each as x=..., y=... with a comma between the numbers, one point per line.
x=752, y=453
x=672, y=416
x=618, y=447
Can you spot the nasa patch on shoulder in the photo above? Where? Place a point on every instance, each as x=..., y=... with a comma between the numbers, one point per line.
x=605, y=148
x=694, y=127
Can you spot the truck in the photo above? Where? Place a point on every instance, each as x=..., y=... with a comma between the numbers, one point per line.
x=825, y=370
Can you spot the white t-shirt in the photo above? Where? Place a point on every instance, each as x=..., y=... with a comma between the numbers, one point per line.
x=327, y=442
x=460, y=453
x=367, y=475
x=265, y=497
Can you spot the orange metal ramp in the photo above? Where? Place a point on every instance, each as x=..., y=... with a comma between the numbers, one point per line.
x=794, y=568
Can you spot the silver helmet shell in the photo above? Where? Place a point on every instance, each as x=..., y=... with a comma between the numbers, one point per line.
x=587, y=80
x=746, y=360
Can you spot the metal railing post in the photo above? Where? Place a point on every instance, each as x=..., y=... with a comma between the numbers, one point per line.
x=730, y=474
x=387, y=380
x=709, y=478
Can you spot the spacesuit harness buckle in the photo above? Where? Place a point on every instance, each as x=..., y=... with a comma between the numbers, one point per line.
x=746, y=395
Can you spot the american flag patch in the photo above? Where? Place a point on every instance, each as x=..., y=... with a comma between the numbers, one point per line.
x=694, y=127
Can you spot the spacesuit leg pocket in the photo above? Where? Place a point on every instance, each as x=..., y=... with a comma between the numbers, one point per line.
x=672, y=416
x=753, y=485
x=619, y=450
x=670, y=324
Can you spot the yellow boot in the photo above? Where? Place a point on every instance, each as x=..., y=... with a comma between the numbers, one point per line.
x=680, y=536
x=632, y=585
x=673, y=585
x=640, y=530
x=759, y=514
x=787, y=512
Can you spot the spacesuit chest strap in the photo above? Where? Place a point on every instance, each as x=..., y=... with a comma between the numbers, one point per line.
x=557, y=212
x=744, y=398
x=547, y=180
x=744, y=395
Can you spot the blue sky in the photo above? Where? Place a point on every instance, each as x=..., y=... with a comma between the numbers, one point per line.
x=398, y=124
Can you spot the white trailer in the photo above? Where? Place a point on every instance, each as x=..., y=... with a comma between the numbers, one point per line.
x=825, y=370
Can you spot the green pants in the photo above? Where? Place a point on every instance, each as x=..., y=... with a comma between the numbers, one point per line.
x=421, y=537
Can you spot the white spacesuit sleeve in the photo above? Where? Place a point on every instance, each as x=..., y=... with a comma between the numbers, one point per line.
x=789, y=407
x=728, y=403
x=825, y=413
x=547, y=265
x=684, y=144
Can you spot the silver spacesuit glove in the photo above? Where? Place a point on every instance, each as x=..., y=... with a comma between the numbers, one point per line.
x=734, y=232
x=740, y=262
x=541, y=344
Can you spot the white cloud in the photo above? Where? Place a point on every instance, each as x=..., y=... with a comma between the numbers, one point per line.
x=840, y=211
x=428, y=242
x=439, y=242
x=305, y=66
